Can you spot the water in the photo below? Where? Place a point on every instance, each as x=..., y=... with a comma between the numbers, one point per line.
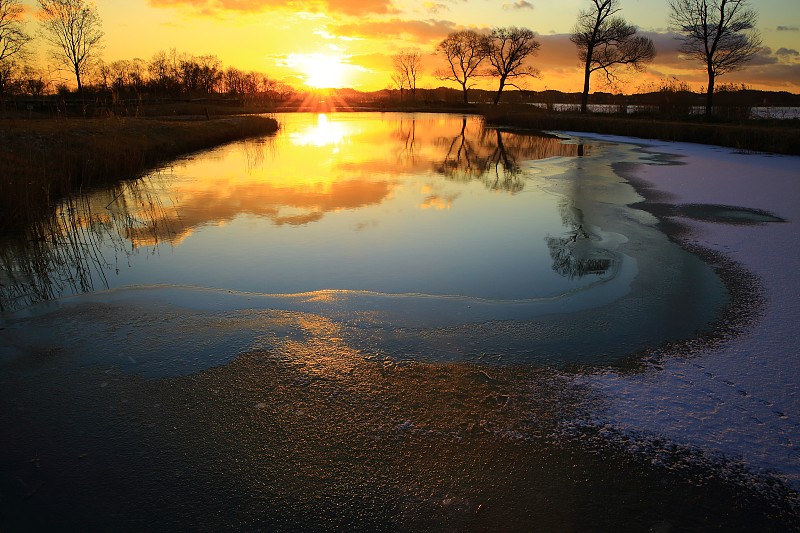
x=366, y=322
x=381, y=204
x=417, y=232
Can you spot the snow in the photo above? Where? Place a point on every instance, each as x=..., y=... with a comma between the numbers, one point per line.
x=738, y=399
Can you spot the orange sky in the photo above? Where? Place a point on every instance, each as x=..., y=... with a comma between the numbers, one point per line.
x=350, y=42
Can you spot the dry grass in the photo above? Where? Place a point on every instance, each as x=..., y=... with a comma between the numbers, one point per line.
x=44, y=160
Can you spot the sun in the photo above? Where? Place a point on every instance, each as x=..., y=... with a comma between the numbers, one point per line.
x=322, y=71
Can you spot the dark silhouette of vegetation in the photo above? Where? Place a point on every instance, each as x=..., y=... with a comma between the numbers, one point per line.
x=773, y=136
x=605, y=41
x=12, y=36
x=62, y=252
x=720, y=33
x=13, y=42
x=464, y=52
x=406, y=70
x=74, y=30
x=507, y=50
x=53, y=159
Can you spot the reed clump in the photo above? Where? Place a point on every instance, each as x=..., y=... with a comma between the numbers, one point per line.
x=45, y=160
x=771, y=136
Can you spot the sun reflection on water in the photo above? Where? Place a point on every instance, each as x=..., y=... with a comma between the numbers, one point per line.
x=324, y=133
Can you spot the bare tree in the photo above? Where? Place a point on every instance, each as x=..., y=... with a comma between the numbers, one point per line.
x=406, y=69
x=164, y=71
x=399, y=81
x=507, y=50
x=605, y=41
x=720, y=33
x=73, y=29
x=464, y=51
x=13, y=40
x=12, y=37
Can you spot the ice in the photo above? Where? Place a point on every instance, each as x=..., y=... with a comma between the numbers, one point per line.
x=739, y=399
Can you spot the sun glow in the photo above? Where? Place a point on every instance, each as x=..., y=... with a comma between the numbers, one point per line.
x=322, y=71
x=324, y=133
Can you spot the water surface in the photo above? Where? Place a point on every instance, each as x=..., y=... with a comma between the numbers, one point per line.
x=420, y=233
x=367, y=322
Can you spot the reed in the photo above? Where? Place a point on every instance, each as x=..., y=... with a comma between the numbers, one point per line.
x=45, y=160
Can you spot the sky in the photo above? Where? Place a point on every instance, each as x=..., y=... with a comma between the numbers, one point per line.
x=349, y=43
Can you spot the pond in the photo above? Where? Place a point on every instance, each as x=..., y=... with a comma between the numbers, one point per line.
x=422, y=235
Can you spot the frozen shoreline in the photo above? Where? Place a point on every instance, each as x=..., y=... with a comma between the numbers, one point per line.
x=737, y=399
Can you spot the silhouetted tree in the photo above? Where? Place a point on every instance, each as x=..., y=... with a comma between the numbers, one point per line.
x=507, y=50
x=605, y=41
x=73, y=29
x=464, y=51
x=32, y=81
x=12, y=36
x=164, y=72
x=400, y=82
x=720, y=33
x=406, y=69
x=233, y=81
x=13, y=40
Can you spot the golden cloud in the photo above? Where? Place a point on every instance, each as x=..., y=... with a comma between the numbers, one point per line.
x=415, y=30
x=345, y=7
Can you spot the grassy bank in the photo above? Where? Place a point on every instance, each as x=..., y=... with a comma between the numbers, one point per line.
x=775, y=136
x=44, y=160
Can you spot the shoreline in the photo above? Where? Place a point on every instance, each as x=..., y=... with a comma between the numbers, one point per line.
x=730, y=391
x=46, y=160
x=746, y=290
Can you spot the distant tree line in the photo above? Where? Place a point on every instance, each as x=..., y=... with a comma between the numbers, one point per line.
x=720, y=34
x=73, y=32
x=175, y=74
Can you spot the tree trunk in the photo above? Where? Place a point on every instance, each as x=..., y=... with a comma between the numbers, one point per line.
x=499, y=91
x=80, y=85
x=587, y=73
x=709, y=92
x=466, y=98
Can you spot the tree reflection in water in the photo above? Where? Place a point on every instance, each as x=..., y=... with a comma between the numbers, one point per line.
x=493, y=155
x=92, y=236
x=576, y=254
x=64, y=253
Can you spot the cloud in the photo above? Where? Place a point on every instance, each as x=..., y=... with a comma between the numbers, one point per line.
x=557, y=49
x=418, y=30
x=779, y=76
x=788, y=28
x=766, y=56
x=216, y=7
x=763, y=57
x=520, y=4
x=788, y=52
x=435, y=7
